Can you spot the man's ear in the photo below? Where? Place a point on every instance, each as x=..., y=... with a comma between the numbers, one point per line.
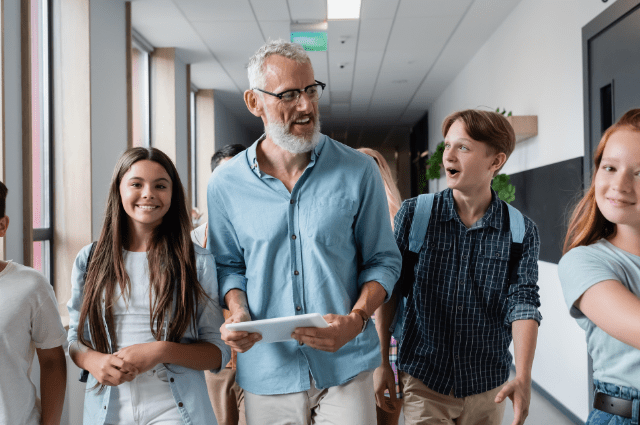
x=253, y=103
x=498, y=161
x=4, y=225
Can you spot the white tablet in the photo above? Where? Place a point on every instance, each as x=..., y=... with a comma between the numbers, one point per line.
x=280, y=328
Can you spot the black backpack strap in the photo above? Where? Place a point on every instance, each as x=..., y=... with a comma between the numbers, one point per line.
x=84, y=374
x=515, y=222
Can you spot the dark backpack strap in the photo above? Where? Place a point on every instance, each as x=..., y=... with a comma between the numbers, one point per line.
x=84, y=374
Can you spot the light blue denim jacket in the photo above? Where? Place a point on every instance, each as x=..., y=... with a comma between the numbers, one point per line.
x=187, y=385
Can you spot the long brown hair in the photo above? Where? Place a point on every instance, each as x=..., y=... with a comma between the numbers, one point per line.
x=390, y=187
x=172, y=267
x=587, y=224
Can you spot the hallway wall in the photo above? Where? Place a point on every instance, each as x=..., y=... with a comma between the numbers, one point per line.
x=532, y=65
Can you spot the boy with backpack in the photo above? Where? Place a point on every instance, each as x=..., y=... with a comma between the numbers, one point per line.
x=29, y=321
x=469, y=276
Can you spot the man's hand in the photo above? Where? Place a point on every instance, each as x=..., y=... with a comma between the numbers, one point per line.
x=341, y=330
x=519, y=391
x=142, y=356
x=383, y=379
x=111, y=370
x=239, y=341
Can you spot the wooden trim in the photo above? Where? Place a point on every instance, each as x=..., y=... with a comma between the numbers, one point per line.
x=27, y=177
x=205, y=137
x=129, y=76
x=163, y=100
x=189, y=165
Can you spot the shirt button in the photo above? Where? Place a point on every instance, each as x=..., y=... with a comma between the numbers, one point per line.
x=461, y=282
x=296, y=272
x=293, y=236
x=298, y=308
x=459, y=307
x=457, y=357
x=433, y=245
x=464, y=257
x=292, y=201
x=180, y=404
x=171, y=379
x=105, y=407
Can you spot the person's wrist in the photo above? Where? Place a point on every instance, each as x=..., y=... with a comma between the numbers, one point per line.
x=358, y=322
x=363, y=316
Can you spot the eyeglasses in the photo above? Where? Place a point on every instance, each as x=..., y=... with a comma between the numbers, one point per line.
x=314, y=91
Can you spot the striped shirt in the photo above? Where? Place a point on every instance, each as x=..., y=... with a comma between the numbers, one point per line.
x=457, y=327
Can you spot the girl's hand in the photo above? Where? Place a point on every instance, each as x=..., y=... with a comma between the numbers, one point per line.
x=142, y=356
x=111, y=370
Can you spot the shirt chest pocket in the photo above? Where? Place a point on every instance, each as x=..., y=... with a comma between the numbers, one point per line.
x=493, y=264
x=438, y=249
x=330, y=220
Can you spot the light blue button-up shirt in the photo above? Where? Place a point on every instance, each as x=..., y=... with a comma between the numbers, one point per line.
x=187, y=385
x=308, y=251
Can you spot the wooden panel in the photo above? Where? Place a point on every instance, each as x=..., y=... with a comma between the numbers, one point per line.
x=27, y=176
x=189, y=165
x=205, y=136
x=72, y=142
x=547, y=196
x=3, y=244
x=163, y=101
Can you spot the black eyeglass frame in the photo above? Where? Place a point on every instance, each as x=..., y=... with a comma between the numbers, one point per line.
x=281, y=94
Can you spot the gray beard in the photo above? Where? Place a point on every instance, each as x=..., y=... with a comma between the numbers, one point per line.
x=280, y=135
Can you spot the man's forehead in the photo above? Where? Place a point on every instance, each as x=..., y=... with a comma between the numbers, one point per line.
x=280, y=70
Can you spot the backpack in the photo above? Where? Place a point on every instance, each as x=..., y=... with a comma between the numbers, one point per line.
x=84, y=374
x=417, y=234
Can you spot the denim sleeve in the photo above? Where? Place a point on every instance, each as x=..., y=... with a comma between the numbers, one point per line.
x=77, y=290
x=380, y=259
x=523, y=299
x=210, y=316
x=223, y=243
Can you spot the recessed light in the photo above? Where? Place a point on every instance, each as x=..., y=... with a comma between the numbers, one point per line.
x=343, y=9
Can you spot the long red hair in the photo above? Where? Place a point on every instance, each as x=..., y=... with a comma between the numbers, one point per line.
x=587, y=224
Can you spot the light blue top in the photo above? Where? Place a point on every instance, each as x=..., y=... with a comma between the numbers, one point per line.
x=308, y=251
x=613, y=361
x=187, y=385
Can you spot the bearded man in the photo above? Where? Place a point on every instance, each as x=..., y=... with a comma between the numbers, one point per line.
x=299, y=223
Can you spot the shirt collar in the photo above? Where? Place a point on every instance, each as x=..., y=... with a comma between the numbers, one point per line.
x=252, y=158
x=490, y=218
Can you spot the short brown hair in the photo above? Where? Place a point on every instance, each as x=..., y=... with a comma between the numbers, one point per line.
x=3, y=199
x=487, y=127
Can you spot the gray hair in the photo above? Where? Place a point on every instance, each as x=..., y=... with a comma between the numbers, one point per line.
x=255, y=68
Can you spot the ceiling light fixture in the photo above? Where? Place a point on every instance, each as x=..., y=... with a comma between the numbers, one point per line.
x=343, y=9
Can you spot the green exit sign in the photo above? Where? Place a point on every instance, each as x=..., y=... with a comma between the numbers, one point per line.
x=315, y=41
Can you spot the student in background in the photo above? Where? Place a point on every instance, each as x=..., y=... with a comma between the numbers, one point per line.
x=144, y=308
x=387, y=408
x=227, y=398
x=600, y=272
x=29, y=320
x=464, y=306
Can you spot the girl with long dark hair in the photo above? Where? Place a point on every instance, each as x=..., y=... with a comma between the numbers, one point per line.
x=600, y=272
x=144, y=312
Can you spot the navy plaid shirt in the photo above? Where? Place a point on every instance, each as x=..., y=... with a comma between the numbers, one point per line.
x=457, y=327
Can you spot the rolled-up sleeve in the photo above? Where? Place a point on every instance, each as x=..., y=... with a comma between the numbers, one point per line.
x=210, y=318
x=223, y=243
x=77, y=290
x=524, y=299
x=380, y=258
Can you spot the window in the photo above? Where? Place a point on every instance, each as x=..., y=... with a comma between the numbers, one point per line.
x=41, y=148
x=140, y=50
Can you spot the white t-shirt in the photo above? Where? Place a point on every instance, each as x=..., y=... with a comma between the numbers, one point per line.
x=29, y=319
x=613, y=361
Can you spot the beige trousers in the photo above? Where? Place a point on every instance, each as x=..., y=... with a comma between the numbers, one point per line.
x=227, y=398
x=424, y=406
x=352, y=403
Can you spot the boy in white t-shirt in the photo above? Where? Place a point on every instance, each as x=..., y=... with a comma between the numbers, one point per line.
x=29, y=320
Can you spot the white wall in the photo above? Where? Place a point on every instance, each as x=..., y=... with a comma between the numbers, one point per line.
x=108, y=99
x=229, y=129
x=532, y=65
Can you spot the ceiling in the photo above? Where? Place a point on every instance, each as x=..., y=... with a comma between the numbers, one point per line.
x=382, y=70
